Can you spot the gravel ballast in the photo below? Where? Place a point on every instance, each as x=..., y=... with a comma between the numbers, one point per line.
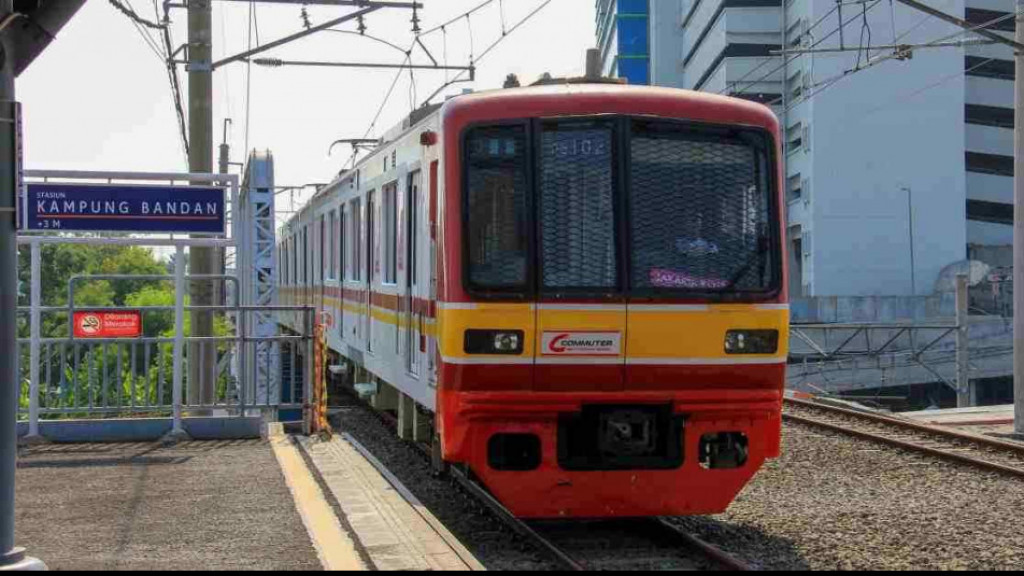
x=835, y=502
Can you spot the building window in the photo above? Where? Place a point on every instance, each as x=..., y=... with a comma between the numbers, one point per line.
x=794, y=188
x=992, y=212
x=795, y=85
x=795, y=137
x=996, y=164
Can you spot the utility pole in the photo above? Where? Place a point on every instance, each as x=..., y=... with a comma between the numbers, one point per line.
x=202, y=359
x=910, y=220
x=1018, y=230
x=963, y=382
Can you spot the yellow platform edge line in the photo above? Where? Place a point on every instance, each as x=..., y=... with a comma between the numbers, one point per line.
x=333, y=544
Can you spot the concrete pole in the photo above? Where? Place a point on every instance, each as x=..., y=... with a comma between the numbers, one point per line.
x=34, y=354
x=963, y=383
x=1018, y=232
x=11, y=558
x=201, y=387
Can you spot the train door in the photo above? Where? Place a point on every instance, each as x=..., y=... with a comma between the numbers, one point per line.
x=342, y=273
x=413, y=311
x=370, y=238
x=431, y=348
x=321, y=272
x=581, y=320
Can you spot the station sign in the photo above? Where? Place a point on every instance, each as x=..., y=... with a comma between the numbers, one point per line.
x=120, y=324
x=60, y=207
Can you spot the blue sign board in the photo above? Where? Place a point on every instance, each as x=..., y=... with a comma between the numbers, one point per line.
x=116, y=208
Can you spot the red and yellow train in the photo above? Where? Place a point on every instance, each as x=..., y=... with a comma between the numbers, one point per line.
x=583, y=285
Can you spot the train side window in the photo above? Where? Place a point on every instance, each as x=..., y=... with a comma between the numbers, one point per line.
x=357, y=224
x=390, y=232
x=497, y=221
x=332, y=242
x=305, y=256
x=322, y=250
x=342, y=244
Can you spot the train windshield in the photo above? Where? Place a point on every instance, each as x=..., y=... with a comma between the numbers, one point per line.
x=576, y=193
x=616, y=206
x=496, y=208
x=699, y=208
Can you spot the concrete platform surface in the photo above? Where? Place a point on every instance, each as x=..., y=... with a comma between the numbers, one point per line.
x=221, y=505
x=992, y=420
x=393, y=529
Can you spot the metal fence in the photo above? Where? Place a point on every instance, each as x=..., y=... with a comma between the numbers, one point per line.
x=244, y=373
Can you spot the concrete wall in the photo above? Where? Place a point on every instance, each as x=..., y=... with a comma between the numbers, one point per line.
x=844, y=309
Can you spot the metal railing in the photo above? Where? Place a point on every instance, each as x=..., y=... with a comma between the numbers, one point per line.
x=148, y=376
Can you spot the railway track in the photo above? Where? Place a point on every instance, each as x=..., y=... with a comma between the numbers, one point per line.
x=980, y=451
x=644, y=543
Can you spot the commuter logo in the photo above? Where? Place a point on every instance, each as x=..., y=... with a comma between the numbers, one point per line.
x=582, y=343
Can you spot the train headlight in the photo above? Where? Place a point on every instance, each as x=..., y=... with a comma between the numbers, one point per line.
x=494, y=342
x=751, y=341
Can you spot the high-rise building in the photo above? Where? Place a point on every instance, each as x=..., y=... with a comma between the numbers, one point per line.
x=896, y=167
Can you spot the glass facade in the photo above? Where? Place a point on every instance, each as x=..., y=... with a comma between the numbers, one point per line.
x=633, y=23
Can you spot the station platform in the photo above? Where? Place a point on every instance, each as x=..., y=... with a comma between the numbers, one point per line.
x=284, y=503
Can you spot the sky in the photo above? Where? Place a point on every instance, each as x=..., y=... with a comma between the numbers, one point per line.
x=99, y=97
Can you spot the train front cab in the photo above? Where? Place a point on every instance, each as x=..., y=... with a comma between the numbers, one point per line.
x=612, y=317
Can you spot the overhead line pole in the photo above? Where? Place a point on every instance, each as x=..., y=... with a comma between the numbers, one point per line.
x=204, y=261
x=1018, y=229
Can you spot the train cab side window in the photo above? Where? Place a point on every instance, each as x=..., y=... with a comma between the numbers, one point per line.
x=497, y=221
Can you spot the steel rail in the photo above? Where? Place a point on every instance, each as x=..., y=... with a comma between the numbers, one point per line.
x=929, y=429
x=520, y=527
x=718, y=555
x=476, y=490
x=908, y=445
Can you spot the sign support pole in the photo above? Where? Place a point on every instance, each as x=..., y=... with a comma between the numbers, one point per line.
x=33, y=405
x=177, y=432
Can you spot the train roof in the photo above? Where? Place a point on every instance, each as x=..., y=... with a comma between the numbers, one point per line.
x=573, y=97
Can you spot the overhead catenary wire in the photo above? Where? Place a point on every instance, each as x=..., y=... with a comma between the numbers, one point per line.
x=489, y=49
x=458, y=77
x=767, y=60
x=786, y=61
x=828, y=83
x=130, y=13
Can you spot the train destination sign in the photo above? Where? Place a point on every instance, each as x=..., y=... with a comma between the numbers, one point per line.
x=119, y=208
x=122, y=324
